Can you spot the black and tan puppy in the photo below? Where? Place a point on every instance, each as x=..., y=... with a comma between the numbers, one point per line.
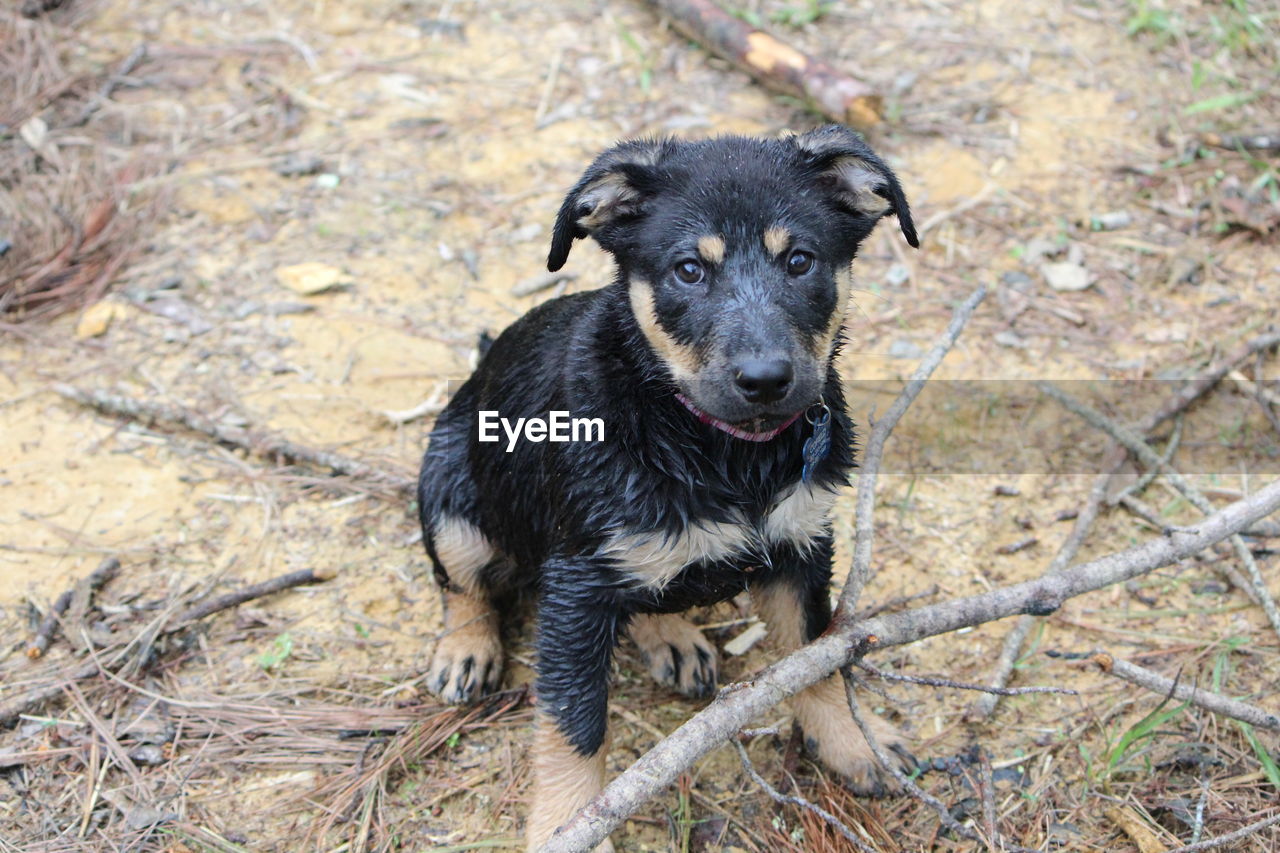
x=710, y=364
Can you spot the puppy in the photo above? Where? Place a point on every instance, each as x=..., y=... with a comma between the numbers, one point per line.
x=710, y=363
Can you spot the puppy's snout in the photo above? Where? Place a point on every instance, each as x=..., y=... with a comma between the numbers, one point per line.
x=763, y=380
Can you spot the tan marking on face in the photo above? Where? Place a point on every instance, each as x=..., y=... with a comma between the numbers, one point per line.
x=712, y=248
x=800, y=517
x=653, y=559
x=825, y=341
x=462, y=550
x=681, y=360
x=777, y=239
x=563, y=782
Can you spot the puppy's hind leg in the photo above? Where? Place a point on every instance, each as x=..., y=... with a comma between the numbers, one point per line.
x=467, y=663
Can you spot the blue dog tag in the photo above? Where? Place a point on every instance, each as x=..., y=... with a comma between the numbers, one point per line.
x=816, y=446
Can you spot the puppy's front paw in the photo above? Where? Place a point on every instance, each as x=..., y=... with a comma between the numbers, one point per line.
x=676, y=653
x=466, y=666
x=831, y=735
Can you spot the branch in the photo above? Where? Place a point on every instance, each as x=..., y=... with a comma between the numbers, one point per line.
x=49, y=625
x=775, y=64
x=261, y=443
x=1218, y=704
x=738, y=704
x=860, y=570
x=1231, y=837
x=1150, y=458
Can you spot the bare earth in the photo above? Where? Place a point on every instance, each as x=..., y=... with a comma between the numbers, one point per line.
x=444, y=135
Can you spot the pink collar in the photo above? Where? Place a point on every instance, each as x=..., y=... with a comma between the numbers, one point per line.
x=736, y=432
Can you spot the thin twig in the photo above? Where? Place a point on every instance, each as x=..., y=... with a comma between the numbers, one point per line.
x=889, y=763
x=738, y=704
x=786, y=799
x=1017, y=637
x=1230, y=838
x=961, y=685
x=95, y=666
x=263, y=444
x=1218, y=704
x=869, y=467
x=1149, y=457
x=49, y=625
x=257, y=590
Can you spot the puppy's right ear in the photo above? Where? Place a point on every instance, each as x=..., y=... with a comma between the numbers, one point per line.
x=614, y=189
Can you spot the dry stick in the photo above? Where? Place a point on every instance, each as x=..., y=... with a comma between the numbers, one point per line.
x=1218, y=704
x=39, y=696
x=1173, y=407
x=780, y=797
x=775, y=64
x=44, y=634
x=1016, y=638
x=1252, y=141
x=1231, y=837
x=1263, y=529
x=737, y=704
x=263, y=444
x=1149, y=457
x=864, y=535
x=960, y=685
x=888, y=762
x=126, y=68
x=257, y=590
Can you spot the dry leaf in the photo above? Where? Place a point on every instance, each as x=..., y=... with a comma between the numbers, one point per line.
x=97, y=318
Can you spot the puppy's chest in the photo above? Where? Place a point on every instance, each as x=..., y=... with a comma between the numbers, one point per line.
x=653, y=560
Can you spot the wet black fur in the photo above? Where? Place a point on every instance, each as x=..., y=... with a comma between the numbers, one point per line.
x=549, y=507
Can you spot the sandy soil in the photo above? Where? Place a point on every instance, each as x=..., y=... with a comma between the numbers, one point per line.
x=447, y=134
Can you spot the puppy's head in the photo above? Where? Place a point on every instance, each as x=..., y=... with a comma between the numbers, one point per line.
x=735, y=253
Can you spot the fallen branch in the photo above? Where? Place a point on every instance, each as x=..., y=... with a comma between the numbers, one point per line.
x=860, y=569
x=38, y=696
x=261, y=443
x=249, y=593
x=49, y=625
x=777, y=796
x=775, y=64
x=1218, y=704
x=1149, y=457
x=845, y=642
x=1016, y=638
x=1231, y=837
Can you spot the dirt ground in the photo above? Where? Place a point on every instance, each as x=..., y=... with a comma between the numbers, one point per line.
x=417, y=152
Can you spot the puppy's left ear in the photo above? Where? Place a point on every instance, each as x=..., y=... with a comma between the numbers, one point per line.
x=857, y=178
x=611, y=191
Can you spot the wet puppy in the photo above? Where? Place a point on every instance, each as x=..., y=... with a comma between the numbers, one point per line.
x=708, y=368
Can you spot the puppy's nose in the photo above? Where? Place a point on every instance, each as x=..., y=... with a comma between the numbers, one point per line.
x=762, y=380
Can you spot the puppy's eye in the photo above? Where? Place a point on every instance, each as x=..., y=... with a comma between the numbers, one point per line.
x=799, y=263
x=689, y=271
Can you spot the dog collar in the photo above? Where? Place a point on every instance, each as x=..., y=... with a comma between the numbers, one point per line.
x=736, y=432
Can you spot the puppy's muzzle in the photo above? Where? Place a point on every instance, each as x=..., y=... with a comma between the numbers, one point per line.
x=763, y=380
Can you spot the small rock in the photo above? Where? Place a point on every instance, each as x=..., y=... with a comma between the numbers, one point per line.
x=328, y=181
x=179, y=311
x=1040, y=247
x=1171, y=334
x=903, y=348
x=1065, y=276
x=312, y=277
x=1110, y=221
x=299, y=164
x=897, y=275
x=1018, y=280
x=148, y=755
x=1010, y=339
